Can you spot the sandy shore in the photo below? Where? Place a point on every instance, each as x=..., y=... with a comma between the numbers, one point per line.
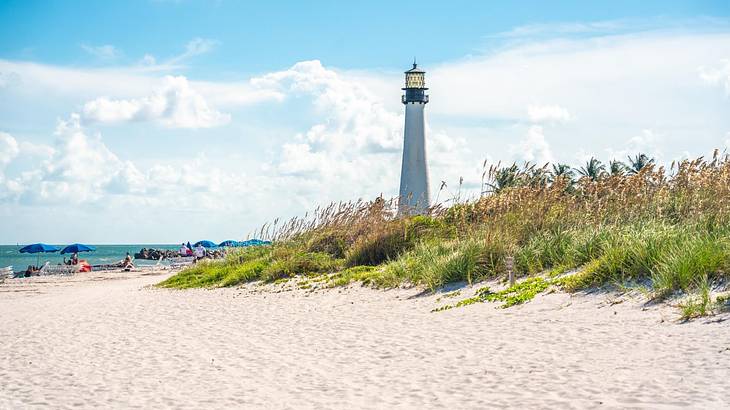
x=109, y=340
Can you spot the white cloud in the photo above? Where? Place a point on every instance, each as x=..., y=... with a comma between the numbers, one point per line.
x=614, y=85
x=532, y=30
x=194, y=47
x=83, y=170
x=175, y=105
x=8, y=149
x=647, y=142
x=148, y=60
x=719, y=75
x=75, y=172
x=353, y=118
x=105, y=52
x=353, y=146
x=534, y=147
x=547, y=113
x=35, y=150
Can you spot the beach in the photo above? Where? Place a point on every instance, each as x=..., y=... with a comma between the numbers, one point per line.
x=111, y=340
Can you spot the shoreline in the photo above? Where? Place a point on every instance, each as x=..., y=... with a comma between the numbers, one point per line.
x=112, y=340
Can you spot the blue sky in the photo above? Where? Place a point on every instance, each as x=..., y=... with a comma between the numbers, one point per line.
x=158, y=121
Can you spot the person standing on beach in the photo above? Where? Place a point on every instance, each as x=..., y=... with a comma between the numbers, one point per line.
x=199, y=252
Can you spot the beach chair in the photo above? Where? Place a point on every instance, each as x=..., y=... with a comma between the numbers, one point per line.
x=103, y=268
x=49, y=269
x=181, y=261
x=157, y=266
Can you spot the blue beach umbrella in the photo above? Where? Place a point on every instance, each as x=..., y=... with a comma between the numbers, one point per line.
x=38, y=248
x=255, y=242
x=230, y=243
x=76, y=248
x=206, y=244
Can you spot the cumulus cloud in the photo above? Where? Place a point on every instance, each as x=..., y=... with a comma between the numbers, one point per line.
x=35, y=150
x=611, y=85
x=717, y=75
x=148, y=60
x=547, y=113
x=352, y=146
x=176, y=105
x=105, y=52
x=646, y=142
x=9, y=149
x=353, y=118
x=534, y=147
x=81, y=169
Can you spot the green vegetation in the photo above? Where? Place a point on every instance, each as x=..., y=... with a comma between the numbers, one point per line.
x=666, y=229
x=514, y=295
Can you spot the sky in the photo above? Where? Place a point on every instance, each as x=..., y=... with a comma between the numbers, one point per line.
x=163, y=121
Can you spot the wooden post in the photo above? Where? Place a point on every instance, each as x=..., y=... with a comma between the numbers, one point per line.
x=509, y=262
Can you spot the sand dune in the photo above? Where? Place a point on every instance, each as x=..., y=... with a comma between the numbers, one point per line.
x=94, y=342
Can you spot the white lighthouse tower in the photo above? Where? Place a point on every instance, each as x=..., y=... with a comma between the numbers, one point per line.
x=415, y=195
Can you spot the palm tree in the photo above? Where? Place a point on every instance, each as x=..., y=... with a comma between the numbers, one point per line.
x=593, y=169
x=538, y=177
x=639, y=162
x=561, y=171
x=504, y=178
x=616, y=168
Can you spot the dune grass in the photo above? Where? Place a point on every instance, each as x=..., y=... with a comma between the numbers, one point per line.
x=669, y=229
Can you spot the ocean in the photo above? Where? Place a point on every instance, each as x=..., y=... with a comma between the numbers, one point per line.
x=104, y=254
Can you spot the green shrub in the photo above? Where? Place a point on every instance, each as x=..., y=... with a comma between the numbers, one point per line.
x=694, y=258
x=331, y=242
x=298, y=263
x=245, y=272
x=379, y=247
x=700, y=304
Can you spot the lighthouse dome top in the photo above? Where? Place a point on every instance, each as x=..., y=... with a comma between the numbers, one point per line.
x=415, y=69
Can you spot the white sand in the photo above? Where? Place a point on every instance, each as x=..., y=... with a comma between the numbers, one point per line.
x=94, y=342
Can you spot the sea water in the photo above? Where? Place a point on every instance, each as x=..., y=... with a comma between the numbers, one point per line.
x=104, y=254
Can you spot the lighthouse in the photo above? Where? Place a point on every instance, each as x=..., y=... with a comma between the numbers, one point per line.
x=415, y=195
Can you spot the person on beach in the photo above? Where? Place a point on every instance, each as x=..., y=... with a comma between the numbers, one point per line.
x=31, y=271
x=127, y=263
x=74, y=259
x=199, y=252
x=183, y=251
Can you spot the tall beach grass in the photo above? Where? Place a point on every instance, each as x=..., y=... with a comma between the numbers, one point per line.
x=667, y=228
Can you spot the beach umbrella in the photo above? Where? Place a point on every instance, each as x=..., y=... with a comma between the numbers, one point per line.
x=255, y=242
x=76, y=248
x=229, y=242
x=206, y=244
x=38, y=248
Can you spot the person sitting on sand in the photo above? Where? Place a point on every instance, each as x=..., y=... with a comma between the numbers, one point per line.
x=127, y=262
x=74, y=259
x=31, y=271
x=183, y=251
